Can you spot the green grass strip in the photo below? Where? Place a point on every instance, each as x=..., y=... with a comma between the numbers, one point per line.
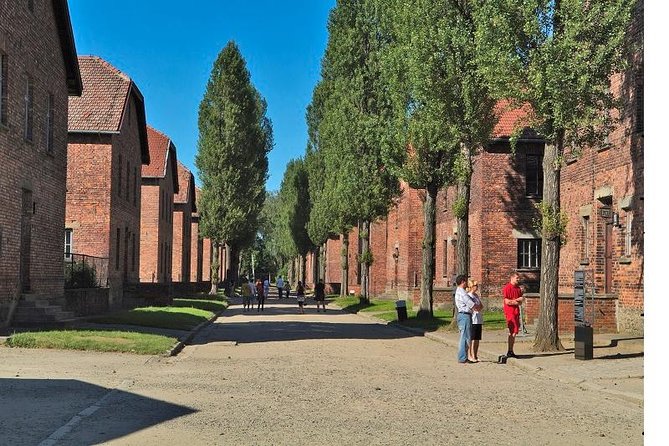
x=95, y=340
x=202, y=304
x=177, y=318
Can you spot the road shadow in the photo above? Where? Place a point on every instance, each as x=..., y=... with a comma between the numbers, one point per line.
x=249, y=332
x=75, y=412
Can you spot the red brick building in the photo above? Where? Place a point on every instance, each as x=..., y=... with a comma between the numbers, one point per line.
x=107, y=146
x=197, y=245
x=184, y=207
x=38, y=70
x=159, y=184
x=602, y=194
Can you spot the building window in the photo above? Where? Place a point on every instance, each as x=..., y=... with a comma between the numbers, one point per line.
x=28, y=110
x=127, y=181
x=118, y=248
x=68, y=244
x=160, y=260
x=3, y=89
x=49, y=123
x=585, y=248
x=134, y=187
x=628, y=234
x=529, y=253
x=120, y=175
x=534, y=175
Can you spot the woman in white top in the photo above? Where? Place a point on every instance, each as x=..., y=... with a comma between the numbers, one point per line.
x=477, y=320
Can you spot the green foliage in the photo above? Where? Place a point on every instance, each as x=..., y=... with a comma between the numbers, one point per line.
x=440, y=102
x=347, y=118
x=80, y=275
x=235, y=138
x=552, y=222
x=366, y=258
x=557, y=57
x=460, y=207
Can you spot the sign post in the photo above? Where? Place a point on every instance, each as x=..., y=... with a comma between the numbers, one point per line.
x=583, y=345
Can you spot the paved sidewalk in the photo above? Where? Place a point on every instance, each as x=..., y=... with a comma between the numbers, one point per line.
x=616, y=368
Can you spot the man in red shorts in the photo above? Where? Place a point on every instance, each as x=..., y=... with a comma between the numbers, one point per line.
x=513, y=298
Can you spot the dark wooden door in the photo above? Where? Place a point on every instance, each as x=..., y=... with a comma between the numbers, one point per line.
x=608, y=258
x=26, y=236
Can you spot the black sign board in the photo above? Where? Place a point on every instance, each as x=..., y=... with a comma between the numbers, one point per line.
x=579, y=297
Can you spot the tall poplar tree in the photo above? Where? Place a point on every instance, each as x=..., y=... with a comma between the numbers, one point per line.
x=235, y=138
x=557, y=56
x=443, y=114
x=354, y=112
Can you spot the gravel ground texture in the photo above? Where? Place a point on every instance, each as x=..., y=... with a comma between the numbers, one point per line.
x=279, y=377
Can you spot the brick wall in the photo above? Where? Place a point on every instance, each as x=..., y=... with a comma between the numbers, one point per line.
x=197, y=244
x=32, y=46
x=156, y=241
x=103, y=212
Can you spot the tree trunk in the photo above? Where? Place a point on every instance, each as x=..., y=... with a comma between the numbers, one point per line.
x=303, y=269
x=315, y=265
x=462, y=246
x=547, y=338
x=234, y=269
x=214, y=269
x=364, y=267
x=344, y=264
x=324, y=260
x=426, y=283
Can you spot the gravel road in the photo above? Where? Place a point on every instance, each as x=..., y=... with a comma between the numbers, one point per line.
x=279, y=377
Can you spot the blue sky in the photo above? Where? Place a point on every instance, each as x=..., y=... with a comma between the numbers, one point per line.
x=168, y=48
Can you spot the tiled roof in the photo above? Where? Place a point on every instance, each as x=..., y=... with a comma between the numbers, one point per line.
x=163, y=153
x=101, y=105
x=510, y=118
x=186, y=193
x=159, y=145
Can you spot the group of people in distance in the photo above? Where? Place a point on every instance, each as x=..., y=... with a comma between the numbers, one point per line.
x=251, y=291
x=470, y=316
x=260, y=291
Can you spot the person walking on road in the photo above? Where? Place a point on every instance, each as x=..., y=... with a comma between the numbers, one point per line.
x=319, y=295
x=300, y=295
x=279, y=286
x=477, y=320
x=287, y=287
x=246, y=295
x=513, y=299
x=260, y=292
x=265, y=288
x=465, y=306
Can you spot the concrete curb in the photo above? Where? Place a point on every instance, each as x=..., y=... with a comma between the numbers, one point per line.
x=181, y=343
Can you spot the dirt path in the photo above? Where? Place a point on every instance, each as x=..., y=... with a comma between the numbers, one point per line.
x=282, y=378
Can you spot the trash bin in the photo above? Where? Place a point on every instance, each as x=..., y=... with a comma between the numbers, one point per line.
x=401, y=307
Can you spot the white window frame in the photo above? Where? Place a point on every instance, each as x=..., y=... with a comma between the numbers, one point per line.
x=69, y=244
x=527, y=257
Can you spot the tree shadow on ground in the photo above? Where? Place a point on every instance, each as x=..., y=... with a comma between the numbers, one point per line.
x=75, y=412
x=264, y=330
